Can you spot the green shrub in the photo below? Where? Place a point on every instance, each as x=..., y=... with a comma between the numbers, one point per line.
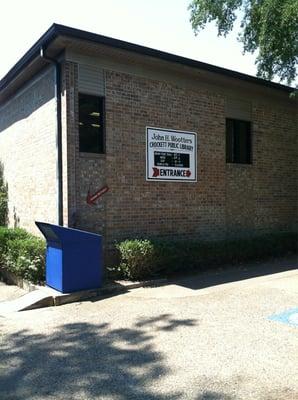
x=7, y=234
x=26, y=258
x=136, y=258
x=141, y=259
x=22, y=253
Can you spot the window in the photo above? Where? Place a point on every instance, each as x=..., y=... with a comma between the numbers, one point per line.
x=91, y=123
x=238, y=141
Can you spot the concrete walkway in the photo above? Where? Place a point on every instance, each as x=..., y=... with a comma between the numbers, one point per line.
x=10, y=292
x=185, y=340
x=15, y=299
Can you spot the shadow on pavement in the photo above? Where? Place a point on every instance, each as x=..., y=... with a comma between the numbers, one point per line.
x=210, y=395
x=247, y=271
x=93, y=361
x=83, y=360
x=165, y=322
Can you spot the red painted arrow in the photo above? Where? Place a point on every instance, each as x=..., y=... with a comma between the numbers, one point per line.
x=92, y=198
x=155, y=172
x=188, y=173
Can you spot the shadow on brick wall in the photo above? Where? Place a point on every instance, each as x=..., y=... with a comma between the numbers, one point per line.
x=32, y=96
x=16, y=219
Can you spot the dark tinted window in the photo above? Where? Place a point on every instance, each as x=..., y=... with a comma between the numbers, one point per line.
x=238, y=141
x=91, y=123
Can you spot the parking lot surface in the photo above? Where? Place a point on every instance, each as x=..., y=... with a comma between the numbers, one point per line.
x=201, y=338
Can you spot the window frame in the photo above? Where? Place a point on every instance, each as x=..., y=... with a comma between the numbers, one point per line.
x=230, y=158
x=103, y=102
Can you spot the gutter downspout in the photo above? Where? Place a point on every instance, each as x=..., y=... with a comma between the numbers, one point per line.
x=58, y=131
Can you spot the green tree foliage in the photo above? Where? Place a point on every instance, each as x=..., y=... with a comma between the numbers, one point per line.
x=269, y=26
x=3, y=199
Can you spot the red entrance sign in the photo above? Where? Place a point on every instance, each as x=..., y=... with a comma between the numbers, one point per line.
x=170, y=172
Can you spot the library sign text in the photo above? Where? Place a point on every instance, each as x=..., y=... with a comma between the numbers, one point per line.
x=171, y=155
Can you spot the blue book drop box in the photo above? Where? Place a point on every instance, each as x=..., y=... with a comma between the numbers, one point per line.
x=73, y=258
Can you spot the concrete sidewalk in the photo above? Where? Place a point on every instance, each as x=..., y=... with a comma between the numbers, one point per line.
x=10, y=292
x=15, y=299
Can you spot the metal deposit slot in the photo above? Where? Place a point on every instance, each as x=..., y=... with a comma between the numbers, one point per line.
x=166, y=159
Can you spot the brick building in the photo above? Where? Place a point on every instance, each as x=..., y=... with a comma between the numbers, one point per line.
x=74, y=118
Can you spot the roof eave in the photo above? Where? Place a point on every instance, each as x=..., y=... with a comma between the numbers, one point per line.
x=29, y=56
x=56, y=30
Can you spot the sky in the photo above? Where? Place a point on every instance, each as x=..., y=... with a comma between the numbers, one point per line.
x=160, y=24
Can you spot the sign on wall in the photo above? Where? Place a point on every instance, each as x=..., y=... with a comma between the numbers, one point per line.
x=91, y=198
x=171, y=155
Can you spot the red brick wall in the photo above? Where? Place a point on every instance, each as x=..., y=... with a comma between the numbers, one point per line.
x=227, y=200
x=137, y=207
x=28, y=152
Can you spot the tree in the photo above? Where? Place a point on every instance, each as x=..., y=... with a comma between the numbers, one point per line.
x=269, y=26
x=3, y=198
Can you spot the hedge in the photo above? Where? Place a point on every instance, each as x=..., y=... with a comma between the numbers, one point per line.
x=143, y=258
x=23, y=254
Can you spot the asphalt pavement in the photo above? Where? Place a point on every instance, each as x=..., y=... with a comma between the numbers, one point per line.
x=216, y=337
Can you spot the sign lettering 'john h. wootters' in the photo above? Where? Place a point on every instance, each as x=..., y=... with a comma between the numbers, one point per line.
x=171, y=155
